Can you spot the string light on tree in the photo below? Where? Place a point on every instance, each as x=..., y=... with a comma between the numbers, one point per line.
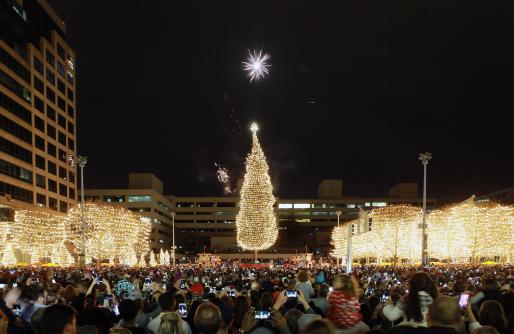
x=111, y=231
x=153, y=262
x=339, y=240
x=9, y=258
x=396, y=230
x=38, y=233
x=256, y=220
x=470, y=230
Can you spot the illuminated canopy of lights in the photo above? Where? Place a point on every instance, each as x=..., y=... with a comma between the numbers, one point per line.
x=458, y=233
x=38, y=231
x=396, y=228
x=471, y=230
x=256, y=221
x=256, y=65
x=111, y=232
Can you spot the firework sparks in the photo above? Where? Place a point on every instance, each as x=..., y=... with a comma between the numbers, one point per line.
x=256, y=65
x=223, y=178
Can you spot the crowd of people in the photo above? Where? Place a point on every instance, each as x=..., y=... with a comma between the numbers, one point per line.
x=227, y=299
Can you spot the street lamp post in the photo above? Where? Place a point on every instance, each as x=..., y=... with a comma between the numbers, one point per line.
x=173, y=234
x=82, y=160
x=424, y=157
x=349, y=250
x=338, y=213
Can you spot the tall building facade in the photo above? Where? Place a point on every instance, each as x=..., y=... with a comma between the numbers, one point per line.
x=38, y=146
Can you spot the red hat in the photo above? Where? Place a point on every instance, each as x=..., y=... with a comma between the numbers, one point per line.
x=197, y=289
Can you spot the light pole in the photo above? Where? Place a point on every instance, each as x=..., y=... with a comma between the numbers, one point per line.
x=173, y=234
x=424, y=157
x=349, y=250
x=338, y=213
x=82, y=160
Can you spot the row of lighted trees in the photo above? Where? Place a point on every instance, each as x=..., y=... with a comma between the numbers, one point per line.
x=460, y=233
x=111, y=233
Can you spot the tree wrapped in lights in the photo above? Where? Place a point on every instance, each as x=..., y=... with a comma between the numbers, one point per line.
x=152, y=262
x=166, y=258
x=396, y=228
x=4, y=235
x=162, y=256
x=471, y=230
x=339, y=241
x=366, y=245
x=256, y=221
x=9, y=258
x=142, y=244
x=111, y=232
x=38, y=231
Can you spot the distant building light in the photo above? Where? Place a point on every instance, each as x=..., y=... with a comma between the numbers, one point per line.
x=285, y=205
x=302, y=206
x=350, y=206
x=139, y=198
x=379, y=204
x=367, y=204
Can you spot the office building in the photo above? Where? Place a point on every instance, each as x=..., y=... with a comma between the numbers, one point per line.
x=143, y=196
x=38, y=145
x=210, y=221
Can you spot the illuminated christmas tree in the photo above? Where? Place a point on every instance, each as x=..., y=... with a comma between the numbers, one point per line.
x=256, y=221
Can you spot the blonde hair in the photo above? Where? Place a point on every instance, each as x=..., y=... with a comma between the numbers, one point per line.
x=171, y=323
x=347, y=284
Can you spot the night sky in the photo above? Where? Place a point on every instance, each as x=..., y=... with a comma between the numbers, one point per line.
x=357, y=89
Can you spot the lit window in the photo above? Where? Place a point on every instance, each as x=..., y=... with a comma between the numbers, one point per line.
x=285, y=206
x=302, y=206
x=367, y=204
x=350, y=206
x=139, y=198
x=379, y=204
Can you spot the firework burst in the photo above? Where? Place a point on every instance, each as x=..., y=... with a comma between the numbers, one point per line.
x=256, y=65
x=223, y=178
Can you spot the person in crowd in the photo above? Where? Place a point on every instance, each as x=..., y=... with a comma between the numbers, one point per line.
x=305, y=285
x=414, y=307
x=490, y=291
x=344, y=307
x=128, y=311
x=208, y=318
x=319, y=327
x=443, y=317
x=321, y=300
x=508, y=299
x=292, y=317
x=168, y=317
x=490, y=314
x=88, y=329
x=485, y=330
x=241, y=306
x=58, y=319
x=38, y=298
